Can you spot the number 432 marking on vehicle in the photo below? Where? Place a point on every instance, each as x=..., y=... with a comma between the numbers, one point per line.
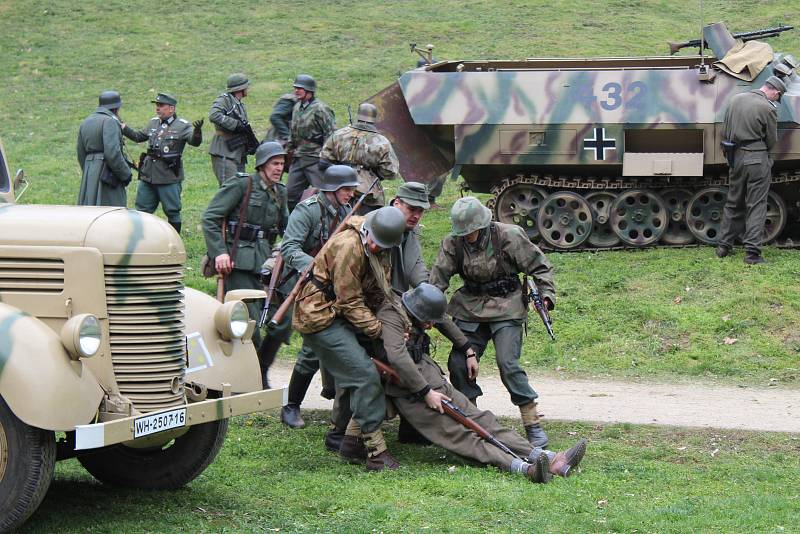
x=613, y=95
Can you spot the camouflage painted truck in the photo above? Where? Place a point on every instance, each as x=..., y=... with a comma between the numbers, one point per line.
x=601, y=152
x=101, y=342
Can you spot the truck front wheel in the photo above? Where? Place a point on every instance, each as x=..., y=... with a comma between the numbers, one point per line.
x=169, y=467
x=27, y=461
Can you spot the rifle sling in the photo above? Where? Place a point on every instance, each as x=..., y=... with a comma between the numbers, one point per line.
x=242, y=213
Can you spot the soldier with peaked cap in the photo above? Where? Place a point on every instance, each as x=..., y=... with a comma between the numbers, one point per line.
x=263, y=198
x=312, y=122
x=367, y=151
x=751, y=122
x=311, y=224
x=161, y=168
x=106, y=171
x=350, y=281
x=489, y=257
x=422, y=388
x=229, y=115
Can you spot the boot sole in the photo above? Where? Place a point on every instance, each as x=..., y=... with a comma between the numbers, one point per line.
x=575, y=459
x=543, y=463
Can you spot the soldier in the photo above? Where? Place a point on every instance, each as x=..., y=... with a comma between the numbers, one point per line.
x=350, y=281
x=489, y=257
x=161, y=168
x=228, y=113
x=312, y=122
x=751, y=122
x=281, y=120
x=259, y=203
x=310, y=226
x=363, y=148
x=106, y=170
x=418, y=397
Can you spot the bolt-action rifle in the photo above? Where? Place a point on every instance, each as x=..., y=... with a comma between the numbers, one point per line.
x=539, y=306
x=246, y=137
x=273, y=282
x=308, y=272
x=744, y=36
x=455, y=413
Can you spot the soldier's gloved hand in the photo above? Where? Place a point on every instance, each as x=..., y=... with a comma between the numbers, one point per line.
x=473, y=366
x=198, y=124
x=434, y=400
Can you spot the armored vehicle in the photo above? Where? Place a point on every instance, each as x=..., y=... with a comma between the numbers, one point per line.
x=102, y=344
x=601, y=152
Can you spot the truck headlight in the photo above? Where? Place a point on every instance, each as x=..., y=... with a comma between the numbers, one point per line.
x=82, y=336
x=231, y=320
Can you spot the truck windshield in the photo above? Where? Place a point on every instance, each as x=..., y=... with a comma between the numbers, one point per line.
x=5, y=182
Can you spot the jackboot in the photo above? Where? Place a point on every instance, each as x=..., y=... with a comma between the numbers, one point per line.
x=408, y=434
x=177, y=226
x=754, y=259
x=298, y=386
x=564, y=463
x=333, y=439
x=353, y=450
x=722, y=251
x=266, y=356
x=533, y=431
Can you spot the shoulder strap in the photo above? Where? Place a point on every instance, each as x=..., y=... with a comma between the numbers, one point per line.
x=499, y=271
x=459, y=244
x=242, y=212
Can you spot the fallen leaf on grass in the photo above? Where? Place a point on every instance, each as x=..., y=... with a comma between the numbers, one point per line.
x=602, y=503
x=726, y=318
x=714, y=452
x=681, y=448
x=729, y=340
x=677, y=300
x=451, y=469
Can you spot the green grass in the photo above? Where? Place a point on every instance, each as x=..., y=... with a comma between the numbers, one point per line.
x=633, y=479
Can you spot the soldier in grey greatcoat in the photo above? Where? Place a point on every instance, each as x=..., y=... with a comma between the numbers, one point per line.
x=751, y=122
x=161, y=168
x=106, y=170
x=229, y=115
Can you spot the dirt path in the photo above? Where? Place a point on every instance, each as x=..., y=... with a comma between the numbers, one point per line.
x=691, y=405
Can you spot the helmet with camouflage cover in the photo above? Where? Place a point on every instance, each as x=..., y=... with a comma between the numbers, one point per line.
x=338, y=176
x=110, y=100
x=426, y=303
x=367, y=113
x=468, y=215
x=386, y=226
x=304, y=81
x=267, y=151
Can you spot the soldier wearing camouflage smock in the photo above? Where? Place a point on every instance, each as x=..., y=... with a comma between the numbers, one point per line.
x=311, y=224
x=350, y=280
x=422, y=387
x=363, y=148
x=161, y=168
x=265, y=218
x=489, y=257
x=229, y=115
x=106, y=171
x=751, y=122
x=312, y=122
x=280, y=120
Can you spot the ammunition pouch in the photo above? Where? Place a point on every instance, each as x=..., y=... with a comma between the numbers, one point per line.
x=418, y=346
x=499, y=287
x=172, y=161
x=249, y=232
x=326, y=289
x=236, y=142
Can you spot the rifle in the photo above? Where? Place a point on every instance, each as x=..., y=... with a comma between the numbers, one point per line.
x=273, y=281
x=450, y=409
x=247, y=138
x=220, y=276
x=350, y=114
x=307, y=273
x=538, y=304
x=744, y=36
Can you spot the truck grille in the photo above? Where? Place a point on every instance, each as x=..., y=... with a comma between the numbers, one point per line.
x=31, y=275
x=148, y=347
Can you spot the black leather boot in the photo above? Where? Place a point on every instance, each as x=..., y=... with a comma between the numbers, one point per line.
x=408, y=434
x=177, y=226
x=298, y=386
x=536, y=436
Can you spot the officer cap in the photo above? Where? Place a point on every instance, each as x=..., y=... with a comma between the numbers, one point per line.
x=304, y=81
x=110, y=100
x=367, y=113
x=237, y=82
x=426, y=303
x=778, y=84
x=414, y=194
x=165, y=98
x=267, y=151
x=386, y=226
x=338, y=176
x=468, y=215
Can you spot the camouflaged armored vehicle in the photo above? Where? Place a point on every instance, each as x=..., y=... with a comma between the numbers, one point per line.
x=600, y=152
x=101, y=342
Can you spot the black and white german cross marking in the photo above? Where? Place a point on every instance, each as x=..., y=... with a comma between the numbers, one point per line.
x=599, y=143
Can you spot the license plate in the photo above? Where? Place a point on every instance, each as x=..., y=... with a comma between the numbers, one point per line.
x=150, y=424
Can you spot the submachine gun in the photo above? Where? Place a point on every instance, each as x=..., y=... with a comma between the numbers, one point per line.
x=535, y=297
x=245, y=136
x=744, y=36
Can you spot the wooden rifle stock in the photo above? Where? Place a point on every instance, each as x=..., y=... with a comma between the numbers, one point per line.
x=386, y=372
x=273, y=281
x=540, y=307
x=305, y=276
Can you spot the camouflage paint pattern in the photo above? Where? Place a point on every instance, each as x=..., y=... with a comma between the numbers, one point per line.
x=312, y=123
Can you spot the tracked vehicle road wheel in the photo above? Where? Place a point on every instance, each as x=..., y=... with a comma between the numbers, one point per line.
x=776, y=217
x=169, y=467
x=677, y=232
x=602, y=234
x=27, y=461
x=565, y=220
x=519, y=204
x=704, y=213
x=639, y=217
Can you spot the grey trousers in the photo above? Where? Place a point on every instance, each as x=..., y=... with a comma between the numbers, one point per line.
x=746, y=206
x=303, y=173
x=225, y=168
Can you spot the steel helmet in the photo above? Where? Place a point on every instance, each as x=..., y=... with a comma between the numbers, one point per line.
x=338, y=176
x=110, y=100
x=426, y=303
x=304, y=81
x=367, y=113
x=468, y=215
x=267, y=151
x=386, y=226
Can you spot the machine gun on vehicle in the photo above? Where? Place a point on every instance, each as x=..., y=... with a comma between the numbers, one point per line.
x=744, y=36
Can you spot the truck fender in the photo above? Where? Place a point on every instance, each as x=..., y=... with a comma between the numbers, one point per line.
x=39, y=381
x=214, y=361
